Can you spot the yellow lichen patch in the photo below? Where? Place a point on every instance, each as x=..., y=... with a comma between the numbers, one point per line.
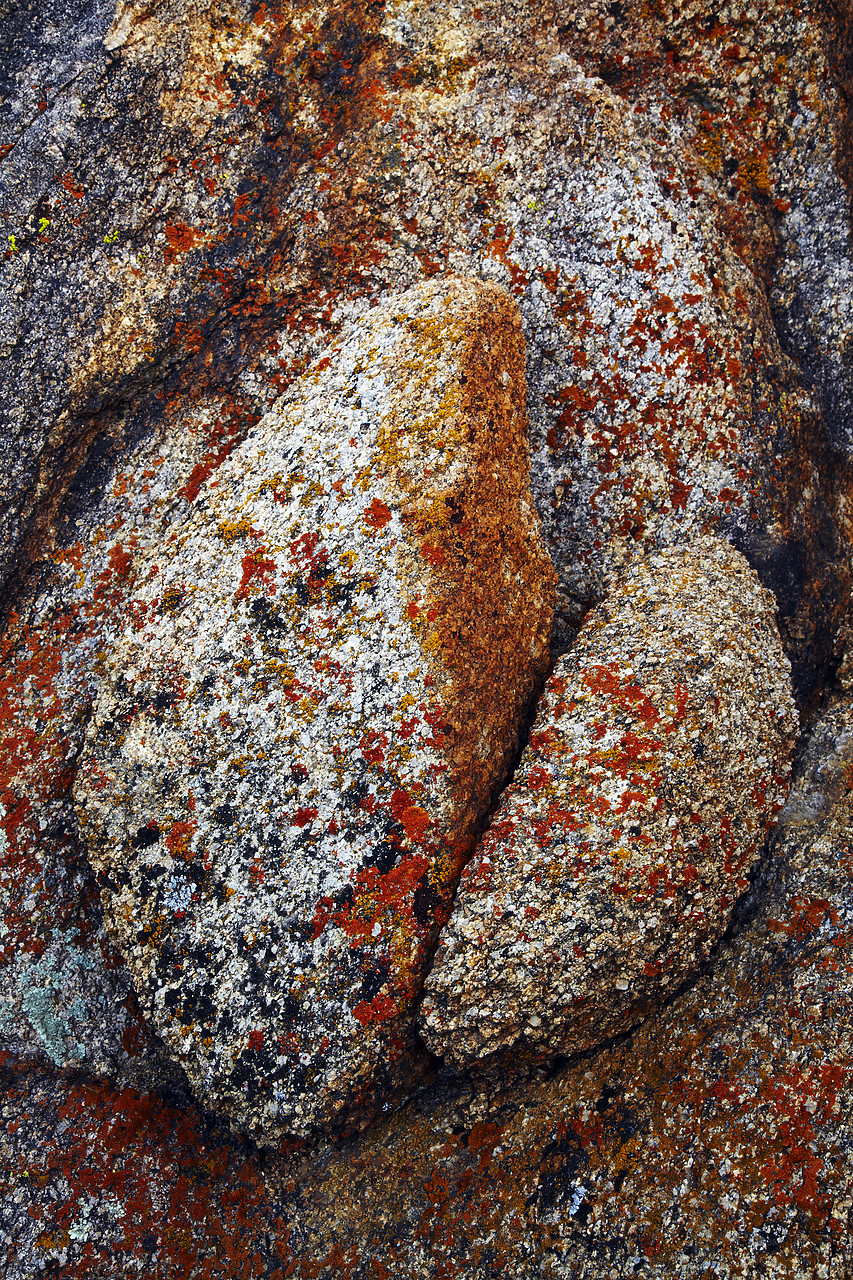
x=230, y=530
x=709, y=144
x=754, y=174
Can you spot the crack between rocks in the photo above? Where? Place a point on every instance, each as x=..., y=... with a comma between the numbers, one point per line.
x=41, y=115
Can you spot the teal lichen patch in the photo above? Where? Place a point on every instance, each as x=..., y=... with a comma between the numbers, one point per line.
x=64, y=996
x=44, y=997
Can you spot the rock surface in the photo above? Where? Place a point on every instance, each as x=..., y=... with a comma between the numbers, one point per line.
x=659, y=757
x=634, y=213
x=226, y=187
x=316, y=693
x=717, y=1139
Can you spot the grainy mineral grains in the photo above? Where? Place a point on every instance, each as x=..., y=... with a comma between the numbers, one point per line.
x=196, y=200
x=317, y=692
x=659, y=756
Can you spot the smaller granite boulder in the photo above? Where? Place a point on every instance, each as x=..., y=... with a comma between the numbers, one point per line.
x=659, y=757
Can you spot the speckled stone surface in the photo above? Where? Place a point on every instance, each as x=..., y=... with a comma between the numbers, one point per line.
x=714, y=1141
x=659, y=757
x=659, y=192
x=197, y=199
x=315, y=694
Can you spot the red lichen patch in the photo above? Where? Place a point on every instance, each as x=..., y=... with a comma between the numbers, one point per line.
x=379, y=1009
x=72, y=186
x=227, y=431
x=120, y=560
x=177, y=841
x=415, y=822
x=138, y=1185
x=258, y=573
x=181, y=239
x=377, y=515
x=303, y=816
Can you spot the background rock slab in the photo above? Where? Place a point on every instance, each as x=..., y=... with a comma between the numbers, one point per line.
x=745, y=104
x=660, y=193
x=316, y=694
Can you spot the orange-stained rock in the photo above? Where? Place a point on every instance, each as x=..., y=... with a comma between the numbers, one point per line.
x=316, y=692
x=658, y=760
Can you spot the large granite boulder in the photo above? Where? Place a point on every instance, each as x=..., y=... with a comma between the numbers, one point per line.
x=658, y=760
x=314, y=697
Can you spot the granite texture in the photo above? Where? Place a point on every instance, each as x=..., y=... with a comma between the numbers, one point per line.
x=313, y=696
x=199, y=201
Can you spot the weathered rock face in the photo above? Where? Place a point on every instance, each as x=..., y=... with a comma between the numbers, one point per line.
x=717, y=1138
x=318, y=689
x=659, y=757
x=99, y=100
x=145, y=152
x=197, y=197
x=635, y=216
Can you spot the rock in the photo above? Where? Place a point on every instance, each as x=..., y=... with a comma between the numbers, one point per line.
x=104, y=1170
x=144, y=147
x=170, y=354
x=658, y=760
x=224, y=232
x=315, y=696
x=717, y=1136
x=226, y=188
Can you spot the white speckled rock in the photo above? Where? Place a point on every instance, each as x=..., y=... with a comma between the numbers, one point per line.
x=660, y=754
x=317, y=694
